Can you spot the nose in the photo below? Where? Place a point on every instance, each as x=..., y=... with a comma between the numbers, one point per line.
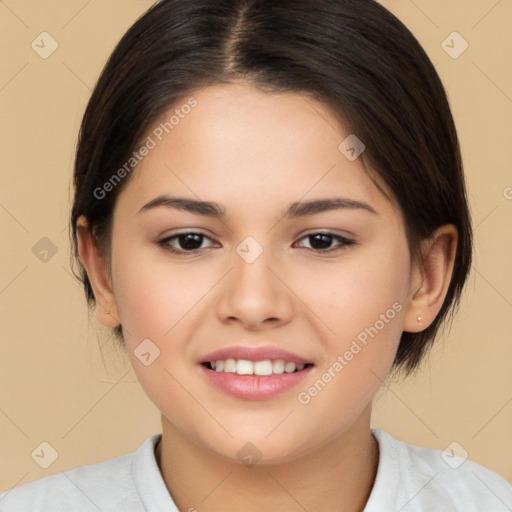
x=256, y=295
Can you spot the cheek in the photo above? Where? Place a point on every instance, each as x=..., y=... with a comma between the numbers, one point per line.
x=153, y=295
x=350, y=295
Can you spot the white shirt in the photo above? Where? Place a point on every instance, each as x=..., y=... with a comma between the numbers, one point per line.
x=409, y=479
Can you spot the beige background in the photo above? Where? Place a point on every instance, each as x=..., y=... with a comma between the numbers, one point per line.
x=54, y=386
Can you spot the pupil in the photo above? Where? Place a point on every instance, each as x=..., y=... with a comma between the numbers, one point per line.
x=326, y=239
x=187, y=241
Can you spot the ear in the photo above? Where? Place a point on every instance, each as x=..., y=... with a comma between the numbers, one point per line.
x=430, y=279
x=97, y=272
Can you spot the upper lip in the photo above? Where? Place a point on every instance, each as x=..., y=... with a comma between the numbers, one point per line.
x=253, y=354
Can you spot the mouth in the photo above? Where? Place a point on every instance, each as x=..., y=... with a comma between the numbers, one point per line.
x=254, y=373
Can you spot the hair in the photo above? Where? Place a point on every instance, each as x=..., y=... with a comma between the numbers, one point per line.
x=354, y=56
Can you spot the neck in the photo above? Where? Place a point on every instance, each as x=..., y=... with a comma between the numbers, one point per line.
x=337, y=477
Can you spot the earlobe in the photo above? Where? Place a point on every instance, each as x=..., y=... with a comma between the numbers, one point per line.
x=96, y=268
x=431, y=279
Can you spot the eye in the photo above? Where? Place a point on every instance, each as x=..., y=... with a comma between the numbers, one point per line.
x=188, y=242
x=321, y=242
x=191, y=242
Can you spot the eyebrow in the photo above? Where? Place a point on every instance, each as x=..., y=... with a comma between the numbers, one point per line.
x=294, y=210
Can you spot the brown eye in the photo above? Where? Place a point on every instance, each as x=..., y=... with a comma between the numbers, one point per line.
x=184, y=242
x=321, y=242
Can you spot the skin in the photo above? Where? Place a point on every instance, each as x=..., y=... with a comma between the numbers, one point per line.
x=254, y=153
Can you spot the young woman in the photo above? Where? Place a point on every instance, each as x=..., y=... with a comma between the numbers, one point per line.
x=270, y=212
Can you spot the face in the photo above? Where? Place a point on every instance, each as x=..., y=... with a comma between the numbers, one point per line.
x=262, y=283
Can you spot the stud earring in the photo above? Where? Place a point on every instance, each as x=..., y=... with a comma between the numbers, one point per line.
x=420, y=320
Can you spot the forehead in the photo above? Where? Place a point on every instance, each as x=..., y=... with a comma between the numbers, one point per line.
x=239, y=146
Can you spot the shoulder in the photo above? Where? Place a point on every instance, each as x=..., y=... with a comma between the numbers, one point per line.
x=107, y=486
x=412, y=478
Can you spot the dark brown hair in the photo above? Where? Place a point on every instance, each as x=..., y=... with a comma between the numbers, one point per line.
x=352, y=55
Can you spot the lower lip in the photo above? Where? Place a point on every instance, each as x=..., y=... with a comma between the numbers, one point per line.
x=252, y=387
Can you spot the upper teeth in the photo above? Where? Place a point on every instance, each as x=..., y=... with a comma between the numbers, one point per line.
x=244, y=367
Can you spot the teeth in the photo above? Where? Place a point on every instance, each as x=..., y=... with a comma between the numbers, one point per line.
x=265, y=367
x=244, y=367
x=289, y=367
x=230, y=366
x=278, y=366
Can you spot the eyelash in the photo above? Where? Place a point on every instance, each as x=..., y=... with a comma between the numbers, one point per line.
x=345, y=242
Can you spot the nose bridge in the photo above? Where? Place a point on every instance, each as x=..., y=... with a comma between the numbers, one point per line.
x=252, y=275
x=253, y=291
x=252, y=267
